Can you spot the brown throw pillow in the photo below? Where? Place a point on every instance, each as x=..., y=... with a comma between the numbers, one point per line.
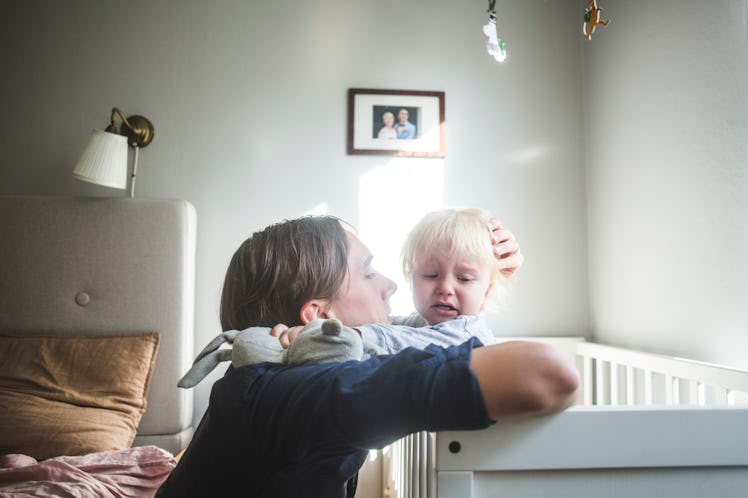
x=73, y=395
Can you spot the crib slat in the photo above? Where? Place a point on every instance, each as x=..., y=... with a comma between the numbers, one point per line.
x=647, y=387
x=676, y=390
x=721, y=395
x=432, y=465
x=422, y=465
x=407, y=457
x=601, y=382
x=587, y=380
x=630, y=387
x=693, y=391
x=669, y=389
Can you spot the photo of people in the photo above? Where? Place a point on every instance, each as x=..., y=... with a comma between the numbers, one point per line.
x=405, y=129
x=395, y=123
x=388, y=131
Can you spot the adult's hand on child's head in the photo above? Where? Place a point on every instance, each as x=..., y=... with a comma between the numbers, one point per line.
x=285, y=334
x=505, y=248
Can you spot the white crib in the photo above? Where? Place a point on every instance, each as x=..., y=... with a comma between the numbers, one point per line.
x=646, y=426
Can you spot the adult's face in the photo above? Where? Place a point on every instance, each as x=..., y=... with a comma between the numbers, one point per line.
x=402, y=115
x=365, y=294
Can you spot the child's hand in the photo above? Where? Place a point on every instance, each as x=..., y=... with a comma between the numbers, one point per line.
x=285, y=334
x=505, y=248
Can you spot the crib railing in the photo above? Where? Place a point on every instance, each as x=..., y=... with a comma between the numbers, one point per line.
x=409, y=467
x=614, y=377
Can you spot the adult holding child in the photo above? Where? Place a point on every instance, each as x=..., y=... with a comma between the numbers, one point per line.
x=455, y=273
x=275, y=430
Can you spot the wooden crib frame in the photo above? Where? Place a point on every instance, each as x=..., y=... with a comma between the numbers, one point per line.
x=646, y=425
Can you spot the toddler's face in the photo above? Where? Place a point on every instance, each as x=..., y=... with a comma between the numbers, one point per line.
x=444, y=289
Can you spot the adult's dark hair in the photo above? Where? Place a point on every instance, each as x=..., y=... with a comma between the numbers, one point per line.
x=276, y=270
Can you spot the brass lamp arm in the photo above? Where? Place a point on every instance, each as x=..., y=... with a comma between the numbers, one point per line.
x=138, y=129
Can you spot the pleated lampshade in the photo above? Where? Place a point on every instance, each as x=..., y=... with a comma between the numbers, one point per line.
x=104, y=160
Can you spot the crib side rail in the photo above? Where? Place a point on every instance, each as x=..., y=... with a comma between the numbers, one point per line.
x=618, y=376
x=603, y=437
x=690, y=436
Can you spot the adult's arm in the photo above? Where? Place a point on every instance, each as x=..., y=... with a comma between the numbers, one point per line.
x=523, y=378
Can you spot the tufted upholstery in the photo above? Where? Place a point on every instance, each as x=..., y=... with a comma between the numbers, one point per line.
x=93, y=265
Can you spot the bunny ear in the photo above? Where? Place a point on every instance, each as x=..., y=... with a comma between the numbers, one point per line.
x=213, y=345
x=332, y=326
x=203, y=366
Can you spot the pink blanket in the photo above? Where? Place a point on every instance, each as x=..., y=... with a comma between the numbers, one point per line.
x=136, y=472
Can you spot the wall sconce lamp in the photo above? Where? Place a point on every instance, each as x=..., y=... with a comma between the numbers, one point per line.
x=104, y=160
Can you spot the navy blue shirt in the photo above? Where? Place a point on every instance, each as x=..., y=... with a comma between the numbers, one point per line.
x=275, y=431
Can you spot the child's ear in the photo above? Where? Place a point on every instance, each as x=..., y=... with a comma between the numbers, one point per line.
x=313, y=309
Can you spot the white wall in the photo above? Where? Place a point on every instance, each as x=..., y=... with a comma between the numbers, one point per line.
x=667, y=106
x=248, y=100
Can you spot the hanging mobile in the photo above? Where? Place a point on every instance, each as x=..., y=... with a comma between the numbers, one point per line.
x=592, y=18
x=495, y=45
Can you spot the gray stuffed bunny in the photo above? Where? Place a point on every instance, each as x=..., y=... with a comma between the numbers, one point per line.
x=321, y=341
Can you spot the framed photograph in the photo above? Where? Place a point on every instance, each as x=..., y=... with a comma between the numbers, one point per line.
x=396, y=122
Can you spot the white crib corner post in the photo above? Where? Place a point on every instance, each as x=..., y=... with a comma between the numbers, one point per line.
x=455, y=485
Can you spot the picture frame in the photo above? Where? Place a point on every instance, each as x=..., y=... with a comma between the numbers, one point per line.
x=408, y=123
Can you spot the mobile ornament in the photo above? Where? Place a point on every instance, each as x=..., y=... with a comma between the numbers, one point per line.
x=495, y=45
x=592, y=18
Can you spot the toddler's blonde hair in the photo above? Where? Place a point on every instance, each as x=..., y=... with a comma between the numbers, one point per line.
x=455, y=234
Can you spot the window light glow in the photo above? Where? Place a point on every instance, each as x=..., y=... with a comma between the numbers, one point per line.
x=392, y=198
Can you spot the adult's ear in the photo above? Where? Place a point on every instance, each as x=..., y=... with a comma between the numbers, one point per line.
x=313, y=309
